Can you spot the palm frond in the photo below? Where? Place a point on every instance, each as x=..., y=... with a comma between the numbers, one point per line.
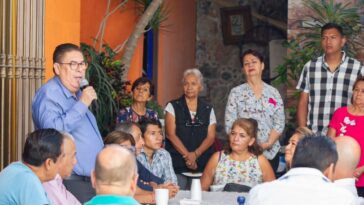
x=103, y=74
x=325, y=11
x=159, y=17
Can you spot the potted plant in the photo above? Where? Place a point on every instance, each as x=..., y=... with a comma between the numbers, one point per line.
x=104, y=75
x=108, y=74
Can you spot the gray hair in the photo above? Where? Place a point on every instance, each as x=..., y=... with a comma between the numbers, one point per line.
x=125, y=127
x=68, y=136
x=193, y=71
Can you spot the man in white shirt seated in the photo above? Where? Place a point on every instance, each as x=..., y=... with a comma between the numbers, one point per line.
x=56, y=191
x=309, y=180
x=349, y=155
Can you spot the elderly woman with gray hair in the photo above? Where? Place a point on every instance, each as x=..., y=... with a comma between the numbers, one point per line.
x=190, y=128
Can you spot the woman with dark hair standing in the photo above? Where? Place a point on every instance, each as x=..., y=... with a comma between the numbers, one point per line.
x=242, y=162
x=260, y=101
x=142, y=91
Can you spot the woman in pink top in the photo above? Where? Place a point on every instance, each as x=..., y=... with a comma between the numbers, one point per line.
x=349, y=121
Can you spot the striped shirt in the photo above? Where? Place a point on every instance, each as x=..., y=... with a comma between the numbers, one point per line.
x=160, y=166
x=327, y=90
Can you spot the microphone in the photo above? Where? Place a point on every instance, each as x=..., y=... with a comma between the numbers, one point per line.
x=84, y=84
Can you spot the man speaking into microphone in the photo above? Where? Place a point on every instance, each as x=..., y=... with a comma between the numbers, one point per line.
x=60, y=104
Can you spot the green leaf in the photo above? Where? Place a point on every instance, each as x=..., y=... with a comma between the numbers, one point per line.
x=159, y=16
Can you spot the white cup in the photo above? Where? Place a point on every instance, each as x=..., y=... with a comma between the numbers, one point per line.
x=196, y=192
x=161, y=196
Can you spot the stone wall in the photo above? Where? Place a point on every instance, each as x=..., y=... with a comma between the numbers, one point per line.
x=219, y=63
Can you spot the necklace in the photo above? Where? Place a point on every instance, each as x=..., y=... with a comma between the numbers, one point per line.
x=137, y=111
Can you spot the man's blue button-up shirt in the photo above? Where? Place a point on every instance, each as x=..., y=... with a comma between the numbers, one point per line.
x=54, y=106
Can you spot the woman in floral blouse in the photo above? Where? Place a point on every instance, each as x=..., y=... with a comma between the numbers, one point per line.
x=142, y=90
x=241, y=163
x=260, y=101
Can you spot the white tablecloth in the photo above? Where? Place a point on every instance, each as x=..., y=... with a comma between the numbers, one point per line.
x=210, y=198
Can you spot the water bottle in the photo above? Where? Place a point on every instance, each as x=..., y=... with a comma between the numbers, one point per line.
x=240, y=200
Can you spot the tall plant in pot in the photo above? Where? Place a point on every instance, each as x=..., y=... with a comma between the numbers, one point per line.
x=104, y=75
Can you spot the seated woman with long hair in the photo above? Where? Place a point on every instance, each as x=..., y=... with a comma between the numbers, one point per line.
x=242, y=162
x=299, y=134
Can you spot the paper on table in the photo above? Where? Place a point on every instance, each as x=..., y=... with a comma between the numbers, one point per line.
x=217, y=187
x=189, y=202
x=191, y=174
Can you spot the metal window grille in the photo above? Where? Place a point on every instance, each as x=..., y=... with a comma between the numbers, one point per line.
x=21, y=71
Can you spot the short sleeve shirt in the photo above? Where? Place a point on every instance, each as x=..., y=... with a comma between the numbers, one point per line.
x=327, y=90
x=112, y=200
x=160, y=166
x=20, y=185
x=347, y=124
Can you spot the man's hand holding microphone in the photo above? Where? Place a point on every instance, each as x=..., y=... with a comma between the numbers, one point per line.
x=88, y=95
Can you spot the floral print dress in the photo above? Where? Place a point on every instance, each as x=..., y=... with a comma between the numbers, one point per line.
x=129, y=115
x=268, y=111
x=246, y=172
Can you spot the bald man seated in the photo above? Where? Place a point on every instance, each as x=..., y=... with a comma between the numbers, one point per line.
x=349, y=154
x=115, y=177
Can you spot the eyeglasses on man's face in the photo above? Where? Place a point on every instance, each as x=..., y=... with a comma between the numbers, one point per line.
x=76, y=65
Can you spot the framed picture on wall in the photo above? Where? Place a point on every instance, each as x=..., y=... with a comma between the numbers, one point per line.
x=235, y=21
